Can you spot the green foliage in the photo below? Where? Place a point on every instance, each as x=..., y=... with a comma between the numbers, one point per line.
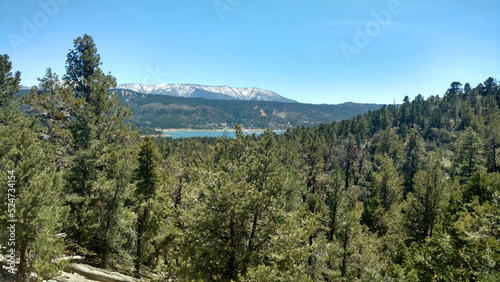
x=53, y=105
x=83, y=70
x=469, y=153
x=147, y=173
x=413, y=158
x=246, y=203
x=39, y=209
x=401, y=193
x=9, y=83
x=478, y=230
x=162, y=111
x=100, y=170
x=152, y=206
x=386, y=192
x=423, y=207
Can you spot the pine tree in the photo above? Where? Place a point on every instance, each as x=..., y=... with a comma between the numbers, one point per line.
x=354, y=253
x=469, y=153
x=412, y=159
x=9, y=83
x=35, y=193
x=39, y=209
x=150, y=208
x=492, y=136
x=53, y=104
x=243, y=200
x=479, y=229
x=386, y=192
x=99, y=133
x=349, y=155
x=425, y=205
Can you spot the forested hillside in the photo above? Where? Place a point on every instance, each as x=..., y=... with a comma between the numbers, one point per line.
x=407, y=193
x=162, y=111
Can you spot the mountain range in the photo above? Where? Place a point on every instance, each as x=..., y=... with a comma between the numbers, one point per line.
x=207, y=92
x=165, y=111
x=210, y=107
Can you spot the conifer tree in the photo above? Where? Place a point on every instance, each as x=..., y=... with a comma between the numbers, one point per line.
x=37, y=198
x=98, y=128
x=354, y=252
x=349, y=155
x=492, y=136
x=243, y=201
x=9, y=83
x=53, y=103
x=150, y=208
x=412, y=159
x=479, y=230
x=425, y=205
x=469, y=153
x=386, y=192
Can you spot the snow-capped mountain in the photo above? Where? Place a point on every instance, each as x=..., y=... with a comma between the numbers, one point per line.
x=208, y=92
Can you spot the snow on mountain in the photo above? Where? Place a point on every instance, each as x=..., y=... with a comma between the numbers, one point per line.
x=208, y=92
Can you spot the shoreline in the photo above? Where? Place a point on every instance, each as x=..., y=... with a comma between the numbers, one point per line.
x=215, y=130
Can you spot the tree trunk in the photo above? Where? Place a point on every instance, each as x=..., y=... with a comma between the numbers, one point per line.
x=344, y=256
x=140, y=231
x=231, y=263
x=251, y=240
x=347, y=168
x=23, y=264
x=98, y=274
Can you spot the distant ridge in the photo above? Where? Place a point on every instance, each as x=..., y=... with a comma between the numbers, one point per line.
x=207, y=92
x=165, y=111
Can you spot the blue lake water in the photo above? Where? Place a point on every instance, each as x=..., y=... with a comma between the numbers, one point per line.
x=211, y=133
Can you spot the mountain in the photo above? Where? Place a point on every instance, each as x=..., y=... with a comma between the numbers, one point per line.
x=164, y=111
x=23, y=90
x=207, y=92
x=219, y=111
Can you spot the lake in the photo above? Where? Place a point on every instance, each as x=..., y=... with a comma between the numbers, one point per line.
x=211, y=133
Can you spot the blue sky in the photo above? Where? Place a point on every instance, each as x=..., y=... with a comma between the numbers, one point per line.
x=322, y=51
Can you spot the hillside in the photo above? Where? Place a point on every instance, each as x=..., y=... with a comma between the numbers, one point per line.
x=207, y=92
x=406, y=193
x=161, y=111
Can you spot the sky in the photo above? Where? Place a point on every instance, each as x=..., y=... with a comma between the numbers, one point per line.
x=321, y=51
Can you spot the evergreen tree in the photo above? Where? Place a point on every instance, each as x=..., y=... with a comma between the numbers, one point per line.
x=354, y=253
x=349, y=155
x=151, y=205
x=53, y=104
x=96, y=195
x=413, y=158
x=469, y=153
x=423, y=207
x=243, y=202
x=481, y=186
x=479, y=230
x=9, y=83
x=492, y=136
x=37, y=198
x=386, y=192
x=83, y=71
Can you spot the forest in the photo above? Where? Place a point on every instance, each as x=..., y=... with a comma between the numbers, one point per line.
x=162, y=111
x=403, y=193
